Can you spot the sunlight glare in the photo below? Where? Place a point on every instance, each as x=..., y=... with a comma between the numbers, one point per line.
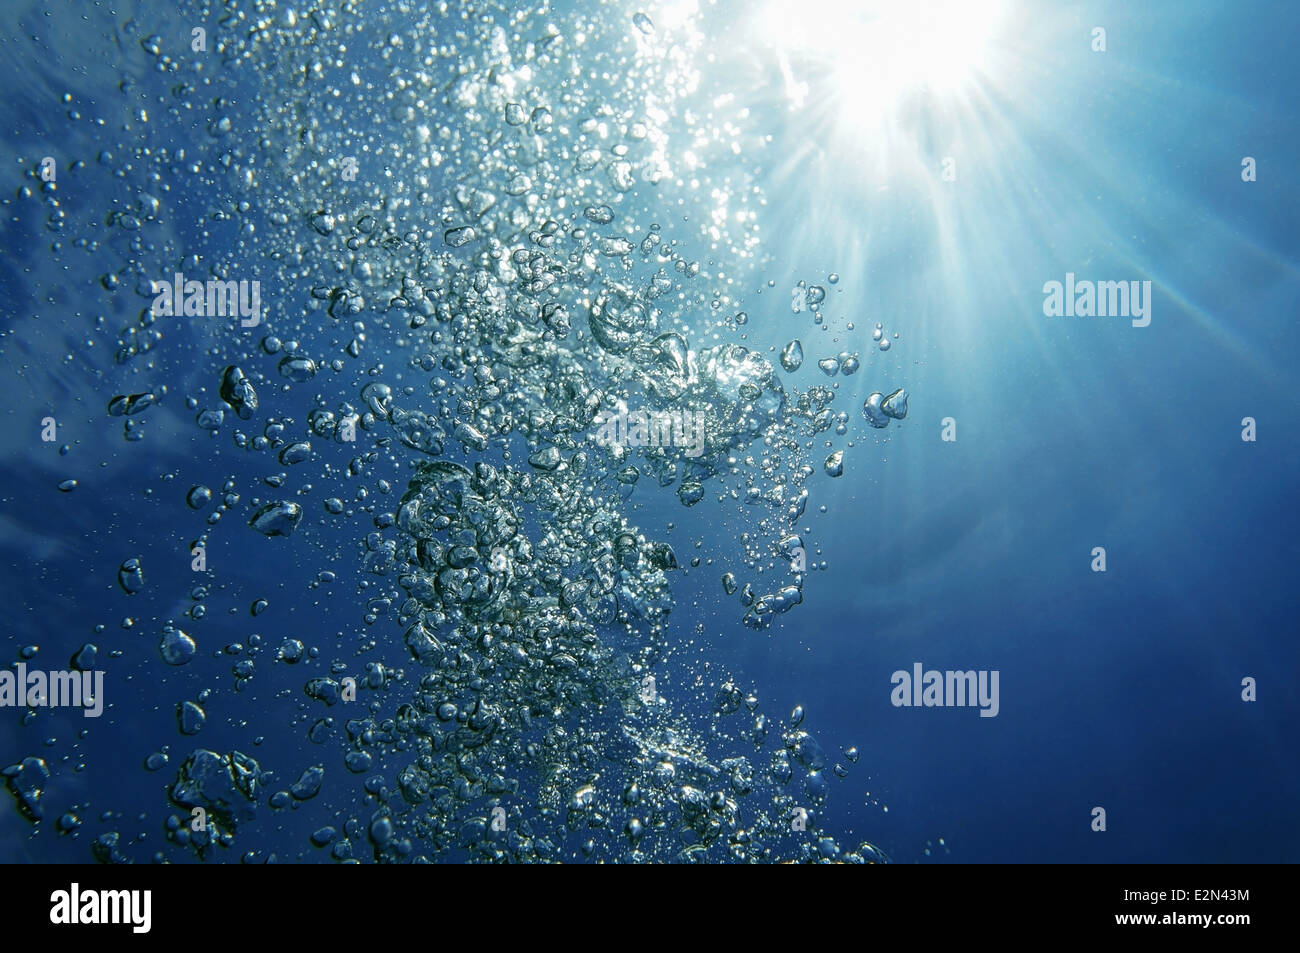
x=870, y=54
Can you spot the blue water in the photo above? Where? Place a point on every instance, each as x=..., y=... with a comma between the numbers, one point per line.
x=1119, y=689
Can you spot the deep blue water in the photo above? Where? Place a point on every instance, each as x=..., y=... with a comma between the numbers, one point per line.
x=1120, y=690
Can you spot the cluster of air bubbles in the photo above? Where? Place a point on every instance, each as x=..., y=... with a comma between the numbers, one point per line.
x=474, y=302
x=882, y=338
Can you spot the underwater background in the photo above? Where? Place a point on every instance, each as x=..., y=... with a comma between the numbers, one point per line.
x=362, y=582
